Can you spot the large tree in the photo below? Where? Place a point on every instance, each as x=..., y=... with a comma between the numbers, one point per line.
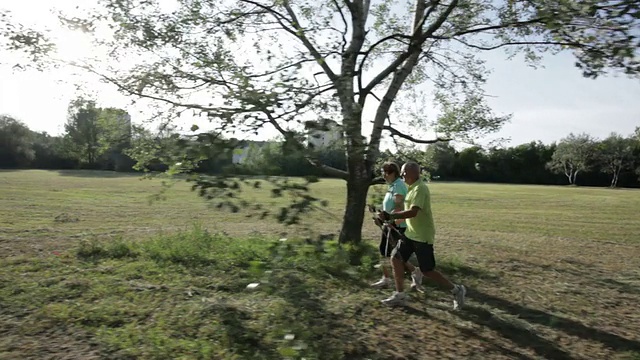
x=615, y=154
x=92, y=132
x=278, y=63
x=83, y=131
x=636, y=150
x=574, y=154
x=16, y=143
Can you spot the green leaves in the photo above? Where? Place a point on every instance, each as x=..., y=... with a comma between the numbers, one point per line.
x=17, y=38
x=574, y=154
x=468, y=119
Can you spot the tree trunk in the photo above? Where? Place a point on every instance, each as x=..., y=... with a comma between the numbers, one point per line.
x=353, y=219
x=575, y=175
x=616, y=175
x=358, y=183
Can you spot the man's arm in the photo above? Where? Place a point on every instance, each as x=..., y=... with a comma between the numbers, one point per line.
x=417, y=203
x=405, y=214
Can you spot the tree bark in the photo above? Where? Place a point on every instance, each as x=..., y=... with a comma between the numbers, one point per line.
x=616, y=175
x=357, y=189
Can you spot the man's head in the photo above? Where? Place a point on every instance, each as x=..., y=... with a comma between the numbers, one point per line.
x=410, y=172
x=390, y=171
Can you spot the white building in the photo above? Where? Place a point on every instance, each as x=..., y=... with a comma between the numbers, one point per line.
x=323, y=134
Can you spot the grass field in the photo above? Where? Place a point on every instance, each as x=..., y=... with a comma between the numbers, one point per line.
x=88, y=269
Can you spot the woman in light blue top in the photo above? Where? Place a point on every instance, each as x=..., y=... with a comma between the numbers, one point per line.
x=393, y=201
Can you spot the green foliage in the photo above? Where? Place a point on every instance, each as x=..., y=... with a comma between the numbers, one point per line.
x=225, y=192
x=574, y=154
x=614, y=154
x=16, y=143
x=95, y=135
x=468, y=119
x=32, y=43
x=440, y=158
x=202, y=322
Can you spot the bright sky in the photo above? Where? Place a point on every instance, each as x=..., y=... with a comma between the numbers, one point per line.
x=547, y=104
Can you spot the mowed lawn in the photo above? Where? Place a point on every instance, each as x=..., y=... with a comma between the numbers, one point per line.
x=90, y=269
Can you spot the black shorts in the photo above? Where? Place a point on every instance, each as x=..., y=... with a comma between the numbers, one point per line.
x=424, y=253
x=385, y=250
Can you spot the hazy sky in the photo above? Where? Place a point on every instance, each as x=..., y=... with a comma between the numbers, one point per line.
x=547, y=103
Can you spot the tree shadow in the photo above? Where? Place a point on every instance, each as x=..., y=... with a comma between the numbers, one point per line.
x=465, y=271
x=242, y=339
x=508, y=352
x=470, y=333
x=619, y=286
x=308, y=313
x=98, y=174
x=588, y=274
x=517, y=334
x=525, y=338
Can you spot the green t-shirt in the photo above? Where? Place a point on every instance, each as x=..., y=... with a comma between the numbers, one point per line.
x=398, y=187
x=421, y=227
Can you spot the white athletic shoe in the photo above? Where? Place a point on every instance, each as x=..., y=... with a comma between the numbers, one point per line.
x=398, y=298
x=382, y=283
x=459, y=292
x=416, y=279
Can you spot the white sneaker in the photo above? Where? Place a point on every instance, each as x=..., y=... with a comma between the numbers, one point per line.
x=416, y=280
x=382, y=283
x=459, y=292
x=398, y=298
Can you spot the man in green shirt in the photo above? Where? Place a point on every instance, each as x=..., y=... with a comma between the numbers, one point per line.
x=419, y=238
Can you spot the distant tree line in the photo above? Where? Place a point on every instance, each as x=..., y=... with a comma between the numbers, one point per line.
x=94, y=138
x=103, y=138
x=577, y=159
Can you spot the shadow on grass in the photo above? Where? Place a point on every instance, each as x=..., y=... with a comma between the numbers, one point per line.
x=517, y=334
x=619, y=286
x=98, y=174
x=322, y=332
x=525, y=338
x=585, y=274
x=454, y=270
x=493, y=345
x=242, y=339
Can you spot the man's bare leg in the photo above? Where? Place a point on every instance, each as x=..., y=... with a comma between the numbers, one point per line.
x=440, y=279
x=398, y=273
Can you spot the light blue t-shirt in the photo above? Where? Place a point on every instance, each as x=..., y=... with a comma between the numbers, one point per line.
x=398, y=187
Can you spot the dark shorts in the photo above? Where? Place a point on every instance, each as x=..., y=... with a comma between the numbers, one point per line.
x=424, y=253
x=385, y=250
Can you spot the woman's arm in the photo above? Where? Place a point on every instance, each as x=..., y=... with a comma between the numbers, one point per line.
x=398, y=200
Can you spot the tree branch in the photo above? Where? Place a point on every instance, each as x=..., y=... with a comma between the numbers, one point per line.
x=415, y=46
x=328, y=169
x=497, y=27
x=366, y=54
x=299, y=33
x=346, y=25
x=377, y=181
x=515, y=43
x=395, y=132
x=401, y=75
